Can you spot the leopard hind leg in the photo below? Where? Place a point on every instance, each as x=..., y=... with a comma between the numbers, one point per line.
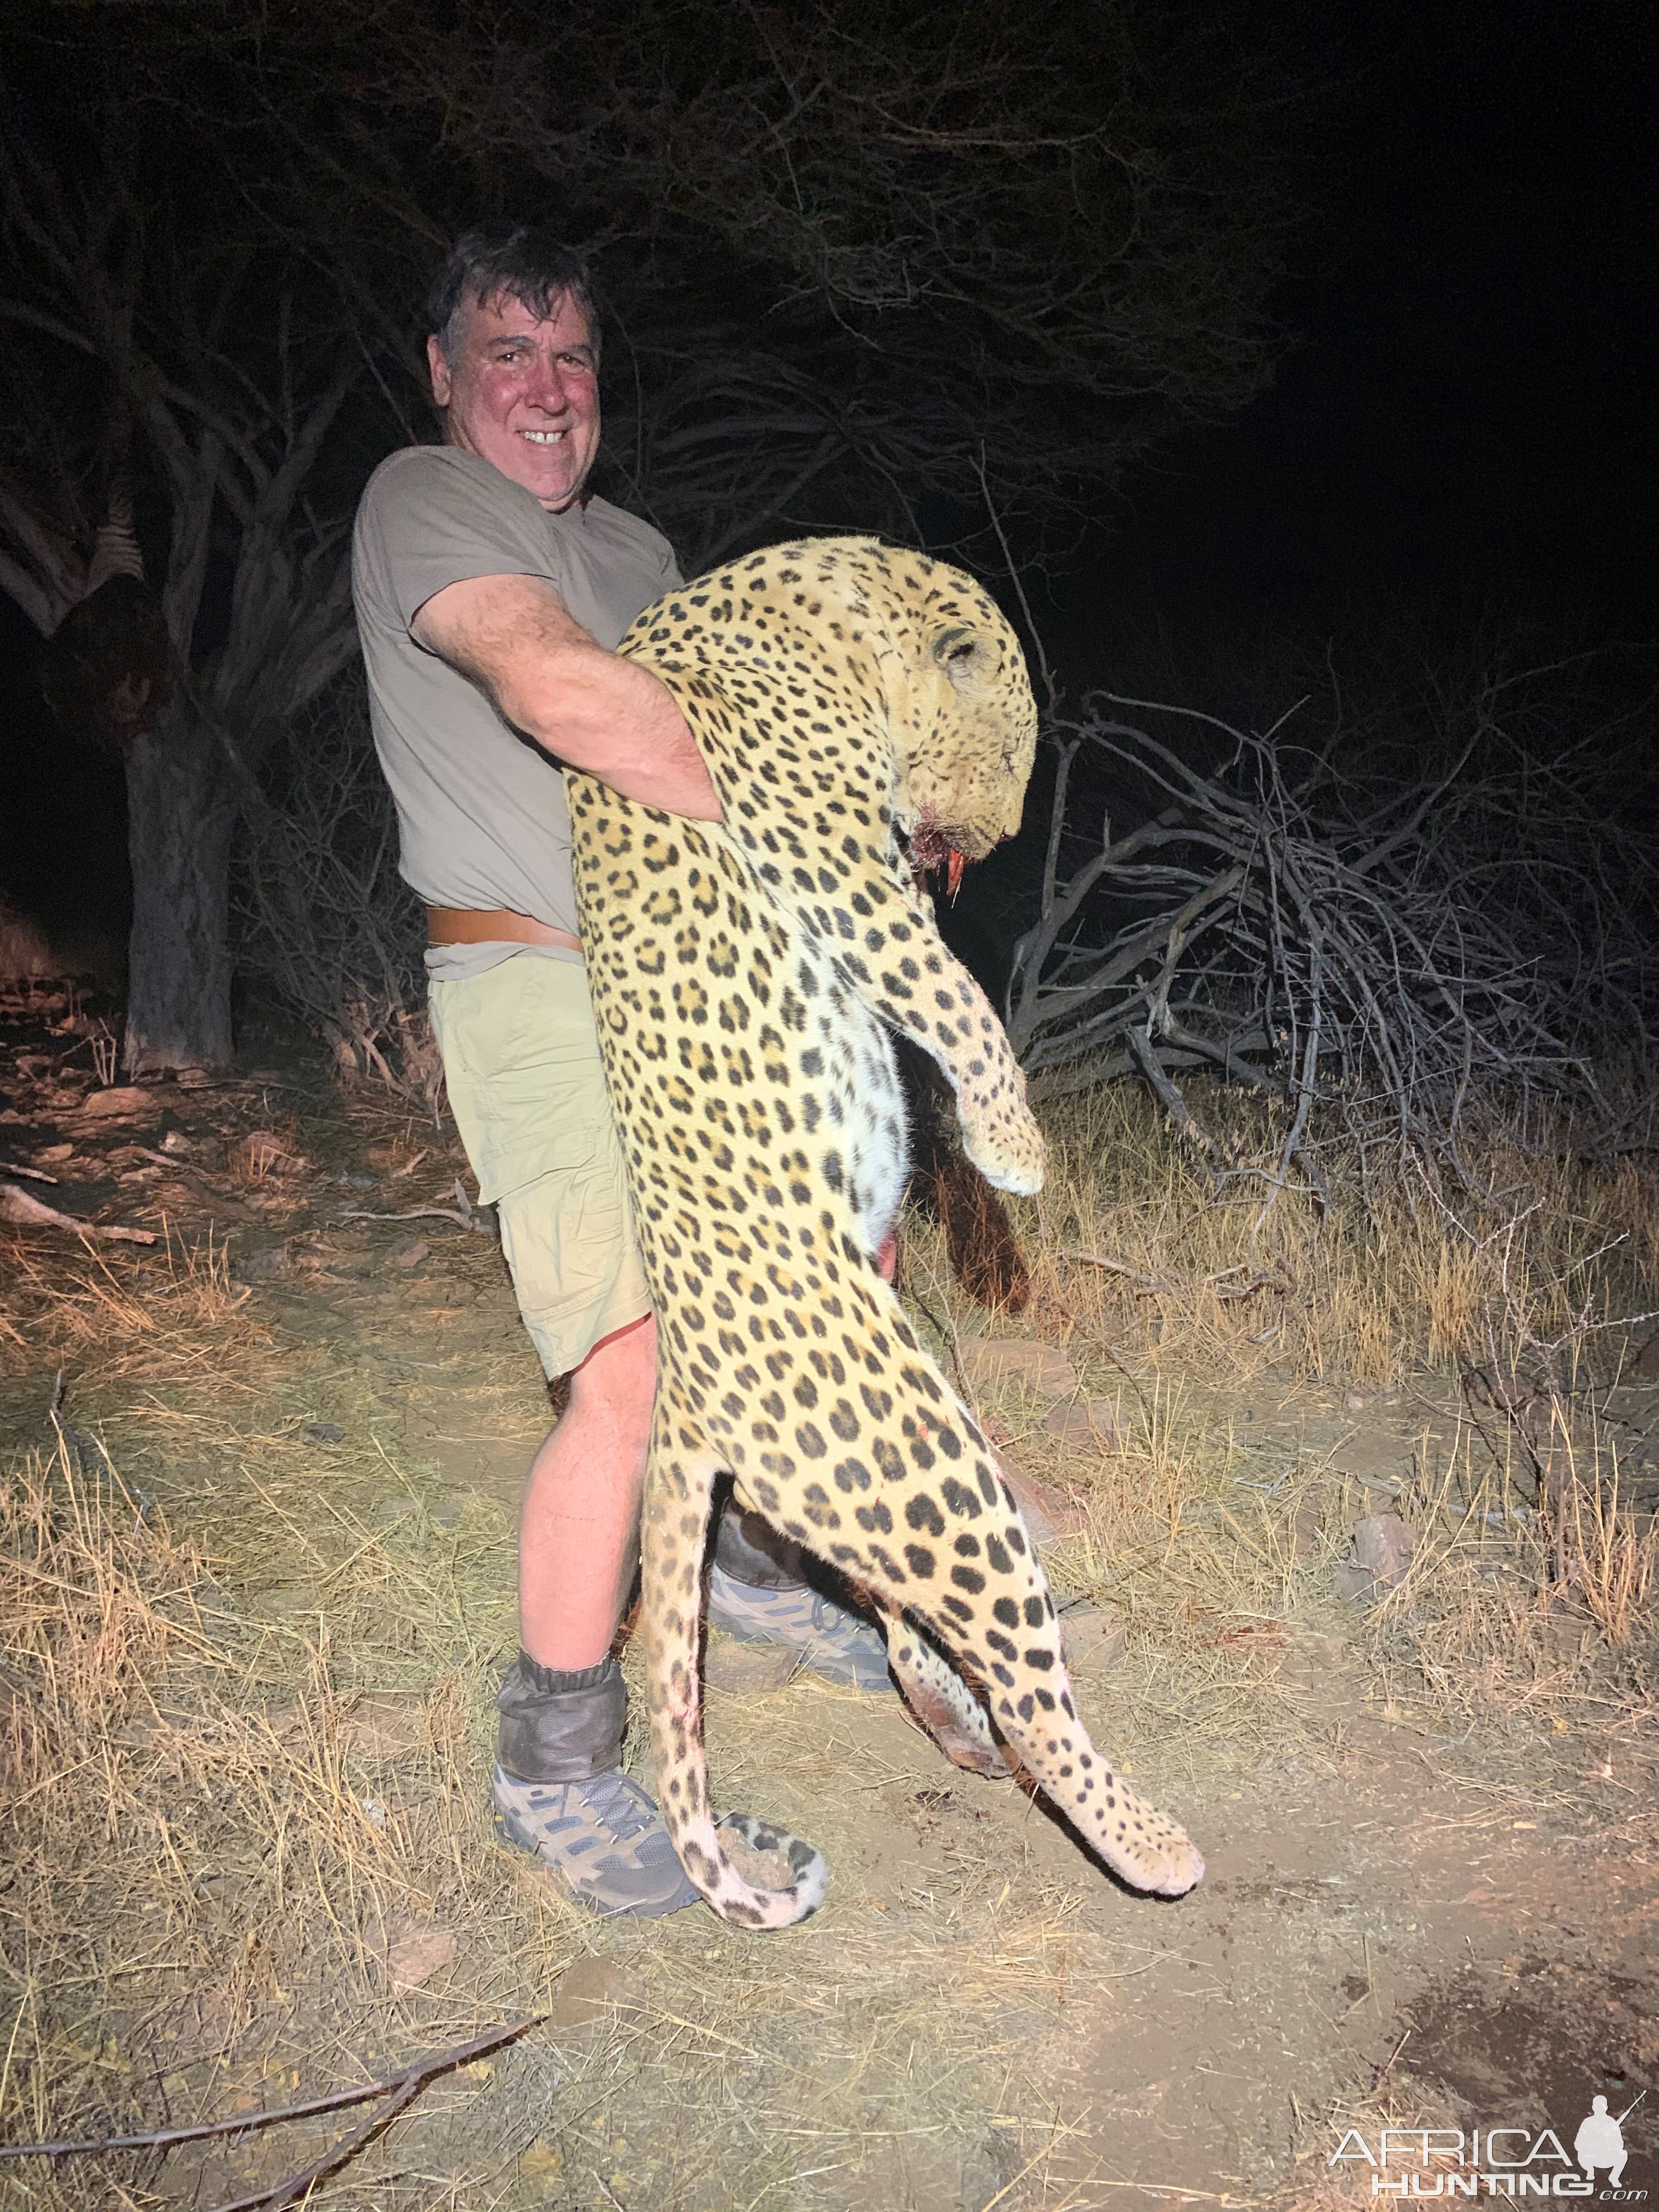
x=941, y=1699
x=753, y=1873
x=1144, y=1847
x=983, y=1602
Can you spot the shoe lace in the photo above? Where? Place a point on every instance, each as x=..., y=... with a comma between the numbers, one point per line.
x=829, y=1619
x=618, y=1805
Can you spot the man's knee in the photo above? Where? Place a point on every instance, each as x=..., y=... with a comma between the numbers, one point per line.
x=619, y=1375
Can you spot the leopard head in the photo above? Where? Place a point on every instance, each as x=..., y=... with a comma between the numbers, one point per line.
x=965, y=731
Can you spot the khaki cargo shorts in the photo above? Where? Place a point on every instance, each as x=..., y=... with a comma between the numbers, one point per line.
x=521, y=1061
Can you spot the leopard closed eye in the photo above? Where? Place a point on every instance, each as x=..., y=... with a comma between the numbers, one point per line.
x=850, y=700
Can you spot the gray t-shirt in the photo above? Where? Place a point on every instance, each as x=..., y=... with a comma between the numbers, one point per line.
x=481, y=812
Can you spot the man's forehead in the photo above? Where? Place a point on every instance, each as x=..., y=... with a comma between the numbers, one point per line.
x=504, y=314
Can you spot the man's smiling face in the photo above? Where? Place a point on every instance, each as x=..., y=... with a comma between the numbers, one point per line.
x=523, y=394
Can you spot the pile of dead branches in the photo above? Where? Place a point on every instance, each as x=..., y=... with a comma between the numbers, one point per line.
x=1376, y=936
x=321, y=917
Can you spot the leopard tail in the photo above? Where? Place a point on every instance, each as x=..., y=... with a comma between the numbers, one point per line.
x=678, y=1485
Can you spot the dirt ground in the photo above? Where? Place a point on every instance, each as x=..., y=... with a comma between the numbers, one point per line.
x=293, y=1431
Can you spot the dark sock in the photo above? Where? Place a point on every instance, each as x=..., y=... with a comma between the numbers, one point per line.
x=560, y=1725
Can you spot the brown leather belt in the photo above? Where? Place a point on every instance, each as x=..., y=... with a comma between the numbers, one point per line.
x=461, y=925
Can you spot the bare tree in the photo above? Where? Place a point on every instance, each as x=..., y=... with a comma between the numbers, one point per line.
x=858, y=264
x=122, y=304
x=860, y=267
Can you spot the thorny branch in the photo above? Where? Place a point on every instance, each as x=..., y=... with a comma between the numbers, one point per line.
x=837, y=248
x=321, y=914
x=1336, y=934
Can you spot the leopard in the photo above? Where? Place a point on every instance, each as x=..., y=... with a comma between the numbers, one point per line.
x=865, y=718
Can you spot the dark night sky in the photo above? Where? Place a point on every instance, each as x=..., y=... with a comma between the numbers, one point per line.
x=1465, y=419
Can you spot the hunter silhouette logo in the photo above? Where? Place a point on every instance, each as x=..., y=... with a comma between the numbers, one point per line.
x=1500, y=2162
x=1599, y=2141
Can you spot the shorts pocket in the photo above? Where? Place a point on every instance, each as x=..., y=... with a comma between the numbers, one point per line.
x=569, y=1241
x=525, y=1081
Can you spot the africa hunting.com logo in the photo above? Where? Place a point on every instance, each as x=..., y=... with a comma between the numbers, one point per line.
x=1501, y=2162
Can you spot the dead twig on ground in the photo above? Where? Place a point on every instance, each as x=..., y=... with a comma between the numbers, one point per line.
x=463, y=1212
x=24, y=1210
x=401, y=2088
x=1156, y=1286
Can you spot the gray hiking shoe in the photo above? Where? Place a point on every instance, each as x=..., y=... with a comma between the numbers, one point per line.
x=832, y=1642
x=604, y=1837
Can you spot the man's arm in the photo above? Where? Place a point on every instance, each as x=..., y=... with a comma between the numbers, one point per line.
x=515, y=638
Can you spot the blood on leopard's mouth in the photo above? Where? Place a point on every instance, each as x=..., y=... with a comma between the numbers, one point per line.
x=929, y=847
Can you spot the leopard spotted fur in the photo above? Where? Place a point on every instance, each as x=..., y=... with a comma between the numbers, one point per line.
x=745, y=977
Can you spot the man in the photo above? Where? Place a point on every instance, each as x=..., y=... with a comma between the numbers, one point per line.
x=491, y=589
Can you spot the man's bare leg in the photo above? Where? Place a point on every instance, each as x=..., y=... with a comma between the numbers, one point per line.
x=579, y=1523
x=560, y=1790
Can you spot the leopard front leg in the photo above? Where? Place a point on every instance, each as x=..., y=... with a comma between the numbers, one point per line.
x=909, y=977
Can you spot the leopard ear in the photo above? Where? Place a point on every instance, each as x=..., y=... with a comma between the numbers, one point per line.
x=962, y=651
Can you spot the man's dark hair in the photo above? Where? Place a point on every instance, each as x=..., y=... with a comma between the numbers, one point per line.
x=518, y=261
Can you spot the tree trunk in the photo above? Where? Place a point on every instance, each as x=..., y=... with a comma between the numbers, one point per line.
x=181, y=814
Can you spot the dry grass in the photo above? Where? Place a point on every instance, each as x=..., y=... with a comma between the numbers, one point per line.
x=244, y=1879
x=1501, y=1328
x=1613, y=1558
x=190, y=1832
x=248, y=1728
x=125, y=1314
x=1516, y=1617
x=252, y=1863
x=1377, y=1284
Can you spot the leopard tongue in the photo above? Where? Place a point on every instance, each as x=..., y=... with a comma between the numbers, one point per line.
x=954, y=864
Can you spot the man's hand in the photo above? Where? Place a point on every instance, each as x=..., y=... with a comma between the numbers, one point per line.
x=515, y=639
